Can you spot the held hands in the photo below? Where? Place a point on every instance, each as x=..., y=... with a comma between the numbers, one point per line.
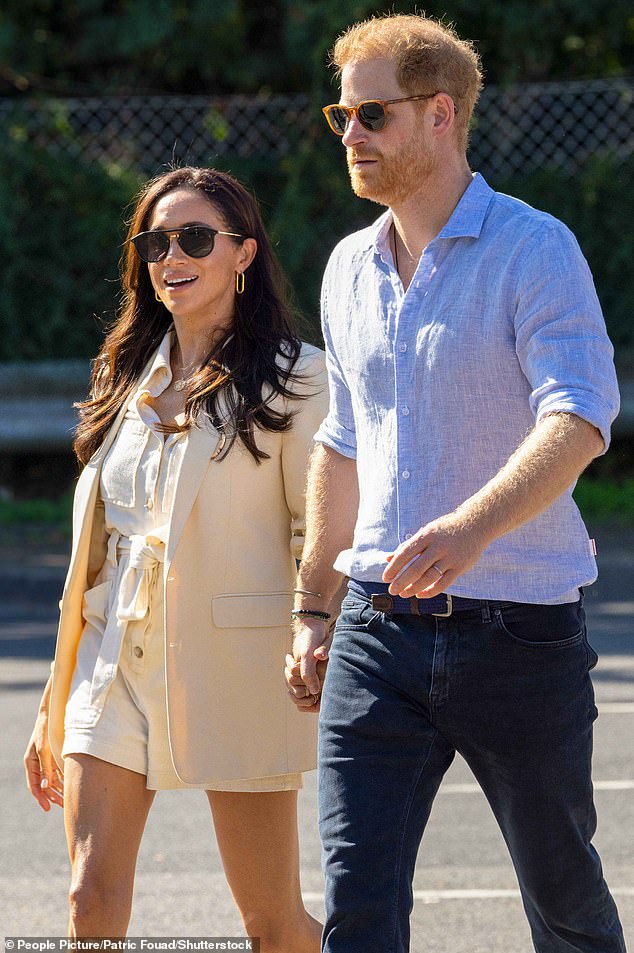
x=306, y=666
x=43, y=778
x=426, y=564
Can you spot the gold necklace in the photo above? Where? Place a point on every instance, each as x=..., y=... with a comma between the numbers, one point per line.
x=182, y=382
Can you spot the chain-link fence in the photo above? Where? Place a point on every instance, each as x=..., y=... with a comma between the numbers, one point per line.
x=547, y=125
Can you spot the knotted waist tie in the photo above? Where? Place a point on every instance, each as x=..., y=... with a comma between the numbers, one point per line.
x=134, y=560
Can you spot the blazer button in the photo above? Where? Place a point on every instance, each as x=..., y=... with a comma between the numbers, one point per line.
x=138, y=651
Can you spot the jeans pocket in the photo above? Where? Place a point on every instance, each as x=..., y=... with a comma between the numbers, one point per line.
x=593, y=658
x=540, y=626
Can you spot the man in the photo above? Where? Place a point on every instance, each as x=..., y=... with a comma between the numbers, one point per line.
x=471, y=383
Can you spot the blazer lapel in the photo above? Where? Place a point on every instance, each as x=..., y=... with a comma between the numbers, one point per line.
x=86, y=492
x=203, y=445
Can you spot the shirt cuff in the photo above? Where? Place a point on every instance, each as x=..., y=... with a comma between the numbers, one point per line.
x=337, y=438
x=586, y=410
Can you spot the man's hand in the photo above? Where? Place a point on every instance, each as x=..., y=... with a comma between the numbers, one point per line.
x=427, y=563
x=306, y=666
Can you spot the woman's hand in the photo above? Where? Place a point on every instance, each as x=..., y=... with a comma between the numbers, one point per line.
x=303, y=699
x=43, y=778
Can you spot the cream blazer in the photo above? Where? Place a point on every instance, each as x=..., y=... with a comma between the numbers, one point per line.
x=235, y=532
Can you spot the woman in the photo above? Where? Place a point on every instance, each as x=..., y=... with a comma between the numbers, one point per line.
x=188, y=518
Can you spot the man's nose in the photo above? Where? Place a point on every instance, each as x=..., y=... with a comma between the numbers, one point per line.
x=355, y=133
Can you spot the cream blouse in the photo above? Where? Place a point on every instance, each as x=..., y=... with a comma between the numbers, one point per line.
x=138, y=477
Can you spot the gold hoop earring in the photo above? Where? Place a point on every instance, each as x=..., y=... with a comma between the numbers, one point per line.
x=239, y=282
x=158, y=297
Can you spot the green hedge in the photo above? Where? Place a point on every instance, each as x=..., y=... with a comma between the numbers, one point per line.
x=62, y=229
x=59, y=247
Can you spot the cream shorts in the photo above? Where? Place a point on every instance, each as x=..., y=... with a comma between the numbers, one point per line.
x=132, y=729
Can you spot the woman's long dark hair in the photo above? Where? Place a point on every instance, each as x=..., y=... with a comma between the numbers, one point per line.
x=246, y=368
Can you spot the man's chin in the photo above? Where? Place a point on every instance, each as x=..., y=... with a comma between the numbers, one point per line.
x=367, y=190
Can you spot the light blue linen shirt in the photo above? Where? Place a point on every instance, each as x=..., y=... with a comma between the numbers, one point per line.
x=433, y=388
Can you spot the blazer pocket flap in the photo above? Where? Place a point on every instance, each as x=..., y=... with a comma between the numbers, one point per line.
x=252, y=610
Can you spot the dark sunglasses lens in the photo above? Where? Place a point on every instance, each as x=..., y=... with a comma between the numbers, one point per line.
x=338, y=119
x=197, y=242
x=372, y=116
x=151, y=246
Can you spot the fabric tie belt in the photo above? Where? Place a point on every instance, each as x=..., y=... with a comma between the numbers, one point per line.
x=441, y=606
x=134, y=561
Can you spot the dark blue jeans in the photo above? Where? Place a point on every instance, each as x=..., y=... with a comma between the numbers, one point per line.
x=508, y=687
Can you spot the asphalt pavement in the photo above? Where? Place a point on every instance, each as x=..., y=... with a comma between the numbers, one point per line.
x=466, y=898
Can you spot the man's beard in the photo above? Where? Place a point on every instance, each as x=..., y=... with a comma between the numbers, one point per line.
x=396, y=178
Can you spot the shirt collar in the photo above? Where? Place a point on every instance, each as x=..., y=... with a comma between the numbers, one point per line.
x=380, y=236
x=468, y=216
x=466, y=220
x=159, y=374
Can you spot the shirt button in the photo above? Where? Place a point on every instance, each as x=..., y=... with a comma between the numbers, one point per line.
x=403, y=348
x=408, y=535
x=149, y=504
x=405, y=474
x=138, y=651
x=405, y=411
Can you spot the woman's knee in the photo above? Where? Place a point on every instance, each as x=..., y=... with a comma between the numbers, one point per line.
x=99, y=901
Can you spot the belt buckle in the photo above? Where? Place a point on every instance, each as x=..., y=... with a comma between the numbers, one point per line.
x=445, y=615
x=381, y=602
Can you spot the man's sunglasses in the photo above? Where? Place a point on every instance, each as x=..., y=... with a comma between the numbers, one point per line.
x=370, y=113
x=197, y=241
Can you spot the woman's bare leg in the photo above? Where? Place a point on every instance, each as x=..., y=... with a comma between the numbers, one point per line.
x=258, y=841
x=105, y=810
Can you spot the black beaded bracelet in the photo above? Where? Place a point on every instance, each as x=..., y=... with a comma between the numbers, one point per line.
x=310, y=614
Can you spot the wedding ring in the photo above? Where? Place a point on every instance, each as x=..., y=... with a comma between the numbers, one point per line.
x=436, y=569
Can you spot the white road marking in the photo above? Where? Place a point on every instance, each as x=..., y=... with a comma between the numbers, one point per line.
x=472, y=788
x=616, y=708
x=613, y=785
x=435, y=896
x=614, y=608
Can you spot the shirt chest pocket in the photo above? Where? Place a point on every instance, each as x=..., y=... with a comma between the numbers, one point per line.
x=121, y=470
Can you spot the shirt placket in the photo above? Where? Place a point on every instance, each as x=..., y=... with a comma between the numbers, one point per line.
x=138, y=629
x=408, y=320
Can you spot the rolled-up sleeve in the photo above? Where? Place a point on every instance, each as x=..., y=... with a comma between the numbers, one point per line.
x=338, y=429
x=561, y=338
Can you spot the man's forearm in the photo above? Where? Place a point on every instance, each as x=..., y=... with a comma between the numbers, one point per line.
x=541, y=469
x=332, y=503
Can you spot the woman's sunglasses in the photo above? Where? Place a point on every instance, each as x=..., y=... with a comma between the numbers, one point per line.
x=197, y=241
x=370, y=113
